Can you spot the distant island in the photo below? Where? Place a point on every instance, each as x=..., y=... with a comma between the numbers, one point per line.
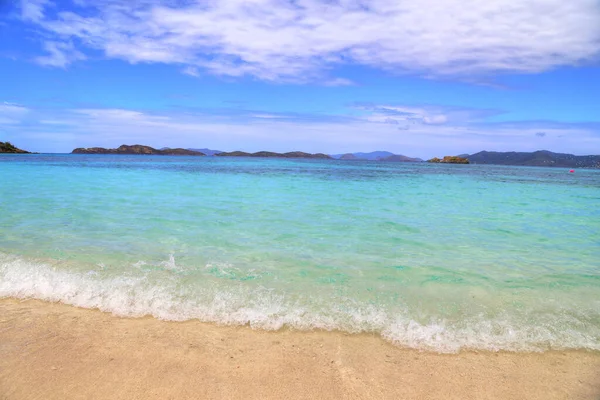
x=541, y=158
x=400, y=158
x=376, y=156
x=450, y=160
x=137, y=149
x=208, y=152
x=270, y=154
x=167, y=151
x=7, y=147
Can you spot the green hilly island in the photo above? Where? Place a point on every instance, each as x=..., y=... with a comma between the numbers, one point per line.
x=7, y=147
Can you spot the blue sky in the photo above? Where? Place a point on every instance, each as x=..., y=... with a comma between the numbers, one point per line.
x=421, y=78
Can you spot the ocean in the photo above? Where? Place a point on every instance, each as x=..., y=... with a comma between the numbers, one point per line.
x=435, y=257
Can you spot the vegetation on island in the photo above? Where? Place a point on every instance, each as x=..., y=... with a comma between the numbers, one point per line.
x=147, y=150
x=540, y=158
x=8, y=147
x=137, y=149
x=450, y=160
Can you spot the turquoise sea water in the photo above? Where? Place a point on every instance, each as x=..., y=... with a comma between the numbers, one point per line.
x=438, y=257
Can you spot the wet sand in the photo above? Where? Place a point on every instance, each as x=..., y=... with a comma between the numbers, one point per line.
x=54, y=351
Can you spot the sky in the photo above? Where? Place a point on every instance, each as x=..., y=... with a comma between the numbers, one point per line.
x=421, y=78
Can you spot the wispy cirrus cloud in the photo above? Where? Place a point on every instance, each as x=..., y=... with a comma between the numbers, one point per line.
x=338, y=82
x=60, y=54
x=33, y=10
x=304, y=40
x=11, y=113
x=191, y=71
x=405, y=116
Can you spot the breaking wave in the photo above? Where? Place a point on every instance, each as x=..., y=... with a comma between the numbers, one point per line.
x=165, y=294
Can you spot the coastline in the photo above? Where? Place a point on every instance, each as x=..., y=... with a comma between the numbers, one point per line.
x=55, y=351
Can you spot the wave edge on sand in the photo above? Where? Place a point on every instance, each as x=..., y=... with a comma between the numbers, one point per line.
x=132, y=295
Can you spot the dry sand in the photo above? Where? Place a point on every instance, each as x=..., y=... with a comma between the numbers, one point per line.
x=54, y=351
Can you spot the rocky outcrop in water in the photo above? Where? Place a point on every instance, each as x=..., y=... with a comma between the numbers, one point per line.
x=449, y=160
x=270, y=154
x=137, y=149
x=8, y=147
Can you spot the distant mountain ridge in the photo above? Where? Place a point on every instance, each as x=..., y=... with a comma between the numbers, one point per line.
x=137, y=149
x=540, y=158
x=376, y=156
x=270, y=154
x=400, y=158
x=208, y=152
x=373, y=156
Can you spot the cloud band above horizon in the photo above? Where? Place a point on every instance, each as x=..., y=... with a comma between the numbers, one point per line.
x=406, y=129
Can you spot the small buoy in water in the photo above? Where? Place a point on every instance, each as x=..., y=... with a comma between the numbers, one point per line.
x=572, y=170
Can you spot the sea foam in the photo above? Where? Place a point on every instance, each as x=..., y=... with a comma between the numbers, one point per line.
x=167, y=295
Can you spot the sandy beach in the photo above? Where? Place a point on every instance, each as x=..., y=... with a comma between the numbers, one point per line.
x=55, y=351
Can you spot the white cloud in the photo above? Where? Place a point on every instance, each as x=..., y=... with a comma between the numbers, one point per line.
x=110, y=113
x=435, y=119
x=406, y=116
x=338, y=82
x=61, y=54
x=191, y=71
x=125, y=117
x=299, y=41
x=268, y=116
x=13, y=109
x=33, y=10
x=12, y=113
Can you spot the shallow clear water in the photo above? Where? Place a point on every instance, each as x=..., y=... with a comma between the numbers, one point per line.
x=438, y=257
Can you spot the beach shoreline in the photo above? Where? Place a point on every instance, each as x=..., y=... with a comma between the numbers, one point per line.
x=57, y=351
